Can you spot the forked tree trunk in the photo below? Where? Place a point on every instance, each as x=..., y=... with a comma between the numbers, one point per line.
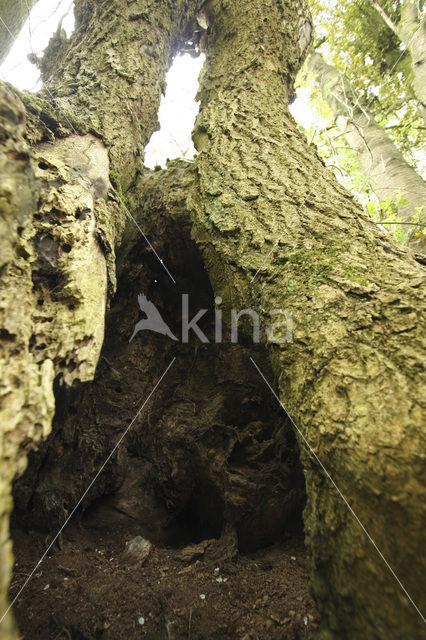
x=60, y=219
x=276, y=231
x=382, y=163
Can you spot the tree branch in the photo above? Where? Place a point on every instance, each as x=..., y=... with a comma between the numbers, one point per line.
x=384, y=16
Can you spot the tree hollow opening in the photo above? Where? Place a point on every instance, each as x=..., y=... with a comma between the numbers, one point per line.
x=211, y=447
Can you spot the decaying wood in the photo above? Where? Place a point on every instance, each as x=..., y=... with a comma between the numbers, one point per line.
x=275, y=231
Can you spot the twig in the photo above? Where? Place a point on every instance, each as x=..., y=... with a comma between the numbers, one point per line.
x=189, y=623
x=63, y=630
x=412, y=224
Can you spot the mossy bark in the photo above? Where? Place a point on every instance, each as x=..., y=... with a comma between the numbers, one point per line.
x=353, y=378
x=111, y=73
x=276, y=231
x=60, y=216
x=18, y=196
x=53, y=286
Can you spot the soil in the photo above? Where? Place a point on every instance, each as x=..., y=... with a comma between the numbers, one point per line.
x=89, y=588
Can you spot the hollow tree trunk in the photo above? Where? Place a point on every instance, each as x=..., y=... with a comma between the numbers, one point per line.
x=61, y=221
x=353, y=378
x=382, y=163
x=254, y=182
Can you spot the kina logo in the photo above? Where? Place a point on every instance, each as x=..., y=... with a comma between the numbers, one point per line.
x=153, y=320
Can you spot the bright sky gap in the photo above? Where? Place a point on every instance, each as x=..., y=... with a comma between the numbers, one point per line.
x=178, y=108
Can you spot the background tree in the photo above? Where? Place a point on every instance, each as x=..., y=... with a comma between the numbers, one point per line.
x=275, y=231
x=410, y=28
x=386, y=172
x=377, y=63
x=378, y=68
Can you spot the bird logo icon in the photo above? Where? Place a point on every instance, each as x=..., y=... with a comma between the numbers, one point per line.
x=153, y=320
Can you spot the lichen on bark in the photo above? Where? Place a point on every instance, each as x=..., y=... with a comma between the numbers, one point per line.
x=275, y=231
x=129, y=45
x=352, y=379
x=26, y=386
x=62, y=220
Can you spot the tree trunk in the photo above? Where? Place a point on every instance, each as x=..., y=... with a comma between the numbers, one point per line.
x=61, y=220
x=255, y=187
x=13, y=16
x=382, y=163
x=265, y=205
x=411, y=30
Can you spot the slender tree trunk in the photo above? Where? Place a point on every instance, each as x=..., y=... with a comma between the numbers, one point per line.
x=382, y=163
x=13, y=15
x=276, y=231
x=411, y=30
x=385, y=16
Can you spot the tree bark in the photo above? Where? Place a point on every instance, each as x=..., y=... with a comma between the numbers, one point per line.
x=412, y=31
x=53, y=283
x=382, y=163
x=114, y=41
x=13, y=15
x=265, y=205
x=60, y=215
x=255, y=187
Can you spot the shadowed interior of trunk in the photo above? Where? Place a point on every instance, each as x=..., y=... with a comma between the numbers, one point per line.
x=209, y=473
x=211, y=448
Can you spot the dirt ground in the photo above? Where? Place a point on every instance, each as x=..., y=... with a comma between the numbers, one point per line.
x=95, y=585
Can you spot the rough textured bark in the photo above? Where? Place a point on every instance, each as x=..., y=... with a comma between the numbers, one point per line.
x=345, y=283
x=53, y=284
x=13, y=15
x=60, y=217
x=111, y=74
x=353, y=377
x=383, y=165
x=411, y=30
x=16, y=212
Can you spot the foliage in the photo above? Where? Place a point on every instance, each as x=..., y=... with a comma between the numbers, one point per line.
x=357, y=41
x=354, y=38
x=386, y=213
